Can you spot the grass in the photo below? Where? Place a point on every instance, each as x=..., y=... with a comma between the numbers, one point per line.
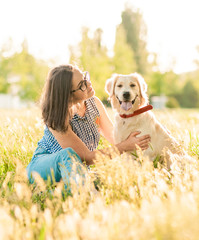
x=135, y=200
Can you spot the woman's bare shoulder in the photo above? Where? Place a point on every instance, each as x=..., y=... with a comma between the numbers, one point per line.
x=99, y=103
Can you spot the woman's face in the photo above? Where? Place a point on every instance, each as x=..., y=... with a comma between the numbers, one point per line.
x=78, y=81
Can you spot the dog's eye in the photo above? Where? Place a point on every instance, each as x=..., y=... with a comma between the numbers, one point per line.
x=132, y=85
x=120, y=85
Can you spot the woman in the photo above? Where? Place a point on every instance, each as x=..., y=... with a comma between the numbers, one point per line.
x=74, y=119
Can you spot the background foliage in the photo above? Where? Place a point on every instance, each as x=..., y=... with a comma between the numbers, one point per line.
x=21, y=73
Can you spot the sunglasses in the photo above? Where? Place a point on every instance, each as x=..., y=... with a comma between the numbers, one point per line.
x=83, y=83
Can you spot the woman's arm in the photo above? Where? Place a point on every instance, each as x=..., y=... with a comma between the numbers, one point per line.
x=105, y=123
x=70, y=139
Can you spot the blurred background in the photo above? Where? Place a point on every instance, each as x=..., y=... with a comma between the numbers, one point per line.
x=157, y=38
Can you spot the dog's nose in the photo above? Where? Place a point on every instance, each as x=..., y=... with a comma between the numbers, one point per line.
x=126, y=95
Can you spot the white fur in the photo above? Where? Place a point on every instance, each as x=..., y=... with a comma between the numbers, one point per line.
x=145, y=122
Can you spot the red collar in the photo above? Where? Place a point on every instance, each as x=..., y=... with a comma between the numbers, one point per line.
x=137, y=112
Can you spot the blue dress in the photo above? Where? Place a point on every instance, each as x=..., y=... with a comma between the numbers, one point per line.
x=50, y=157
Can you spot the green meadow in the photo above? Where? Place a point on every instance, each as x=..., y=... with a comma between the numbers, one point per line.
x=134, y=200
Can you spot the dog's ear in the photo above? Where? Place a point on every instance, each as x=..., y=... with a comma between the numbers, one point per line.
x=143, y=88
x=110, y=84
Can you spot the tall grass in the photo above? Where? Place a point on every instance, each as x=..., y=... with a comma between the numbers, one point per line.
x=134, y=200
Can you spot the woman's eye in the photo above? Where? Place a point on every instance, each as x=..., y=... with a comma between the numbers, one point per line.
x=81, y=84
x=120, y=85
x=132, y=85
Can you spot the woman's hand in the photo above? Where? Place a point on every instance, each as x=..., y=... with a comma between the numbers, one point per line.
x=142, y=142
x=130, y=143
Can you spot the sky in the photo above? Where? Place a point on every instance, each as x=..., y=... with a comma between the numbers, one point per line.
x=50, y=26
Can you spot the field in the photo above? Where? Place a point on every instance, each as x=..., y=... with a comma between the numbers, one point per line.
x=135, y=200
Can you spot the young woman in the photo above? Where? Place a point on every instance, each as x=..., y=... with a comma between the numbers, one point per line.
x=74, y=119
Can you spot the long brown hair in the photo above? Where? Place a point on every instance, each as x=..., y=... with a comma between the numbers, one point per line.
x=56, y=97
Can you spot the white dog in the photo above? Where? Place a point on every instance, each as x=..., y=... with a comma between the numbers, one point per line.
x=129, y=98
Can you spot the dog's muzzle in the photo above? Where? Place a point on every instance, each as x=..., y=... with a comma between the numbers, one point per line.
x=126, y=105
x=126, y=96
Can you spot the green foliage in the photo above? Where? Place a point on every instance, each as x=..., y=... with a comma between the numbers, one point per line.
x=4, y=71
x=91, y=55
x=3, y=85
x=30, y=72
x=180, y=94
x=163, y=83
x=123, y=59
x=172, y=103
x=171, y=83
x=129, y=55
x=136, y=32
x=189, y=97
x=156, y=84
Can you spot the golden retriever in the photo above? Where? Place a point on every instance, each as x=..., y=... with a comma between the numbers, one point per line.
x=128, y=95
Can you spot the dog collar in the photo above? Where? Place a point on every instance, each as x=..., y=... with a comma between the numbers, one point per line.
x=137, y=112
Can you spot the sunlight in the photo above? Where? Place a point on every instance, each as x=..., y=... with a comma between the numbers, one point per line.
x=50, y=27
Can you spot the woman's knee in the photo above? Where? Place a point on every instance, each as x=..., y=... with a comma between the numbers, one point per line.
x=60, y=163
x=71, y=162
x=45, y=166
x=71, y=151
x=68, y=154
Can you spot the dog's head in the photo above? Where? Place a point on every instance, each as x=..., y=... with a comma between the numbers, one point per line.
x=127, y=92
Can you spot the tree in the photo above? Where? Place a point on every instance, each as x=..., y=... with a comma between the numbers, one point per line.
x=123, y=60
x=31, y=73
x=189, y=97
x=4, y=71
x=136, y=32
x=91, y=55
x=5, y=66
x=156, y=84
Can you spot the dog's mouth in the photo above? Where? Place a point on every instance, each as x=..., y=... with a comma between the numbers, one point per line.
x=126, y=105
